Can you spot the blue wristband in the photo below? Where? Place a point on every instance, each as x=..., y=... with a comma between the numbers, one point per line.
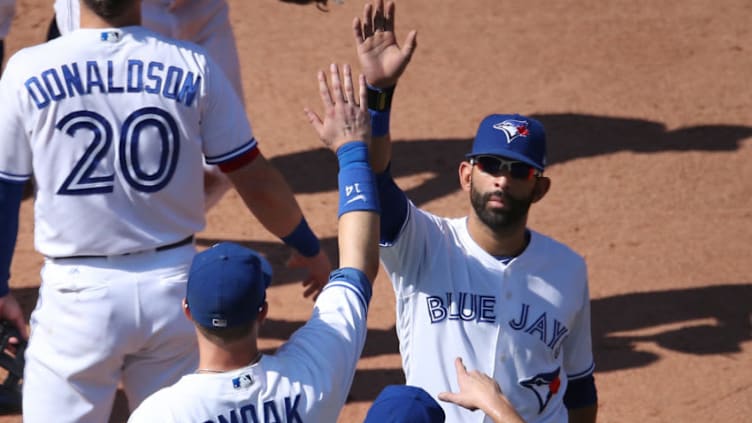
x=357, y=183
x=303, y=239
x=353, y=152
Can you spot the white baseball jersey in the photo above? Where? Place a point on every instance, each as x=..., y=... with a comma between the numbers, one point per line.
x=527, y=322
x=7, y=11
x=113, y=124
x=306, y=380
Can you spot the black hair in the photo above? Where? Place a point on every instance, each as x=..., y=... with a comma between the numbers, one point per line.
x=109, y=9
x=226, y=335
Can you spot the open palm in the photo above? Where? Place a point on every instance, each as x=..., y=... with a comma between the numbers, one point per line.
x=381, y=59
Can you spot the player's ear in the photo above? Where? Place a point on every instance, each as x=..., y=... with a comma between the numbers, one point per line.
x=262, y=313
x=542, y=185
x=187, y=310
x=466, y=175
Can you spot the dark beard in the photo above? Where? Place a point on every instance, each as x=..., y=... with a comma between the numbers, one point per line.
x=500, y=220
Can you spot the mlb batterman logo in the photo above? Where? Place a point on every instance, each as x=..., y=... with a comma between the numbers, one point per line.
x=513, y=129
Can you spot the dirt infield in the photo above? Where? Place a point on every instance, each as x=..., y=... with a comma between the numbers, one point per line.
x=650, y=129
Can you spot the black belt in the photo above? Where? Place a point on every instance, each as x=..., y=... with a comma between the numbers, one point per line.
x=180, y=243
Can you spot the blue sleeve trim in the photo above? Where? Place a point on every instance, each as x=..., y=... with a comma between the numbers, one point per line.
x=394, y=206
x=581, y=393
x=251, y=144
x=14, y=178
x=10, y=203
x=353, y=279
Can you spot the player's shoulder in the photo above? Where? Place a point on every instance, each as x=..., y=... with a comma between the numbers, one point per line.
x=442, y=223
x=161, y=41
x=29, y=55
x=156, y=407
x=553, y=248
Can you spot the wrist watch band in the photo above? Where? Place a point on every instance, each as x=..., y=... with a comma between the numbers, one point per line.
x=380, y=99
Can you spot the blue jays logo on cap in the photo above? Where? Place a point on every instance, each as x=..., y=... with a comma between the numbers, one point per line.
x=513, y=129
x=544, y=386
x=513, y=137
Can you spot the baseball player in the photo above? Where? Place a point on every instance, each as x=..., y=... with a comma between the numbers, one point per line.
x=7, y=11
x=308, y=378
x=204, y=22
x=512, y=302
x=114, y=121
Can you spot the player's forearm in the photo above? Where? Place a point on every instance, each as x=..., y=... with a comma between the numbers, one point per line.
x=500, y=412
x=268, y=196
x=358, y=242
x=380, y=110
x=381, y=153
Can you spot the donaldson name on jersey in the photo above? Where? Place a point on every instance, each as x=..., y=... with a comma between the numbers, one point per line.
x=108, y=77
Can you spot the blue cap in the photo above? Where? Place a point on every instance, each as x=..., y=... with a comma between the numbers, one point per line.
x=404, y=403
x=227, y=285
x=513, y=137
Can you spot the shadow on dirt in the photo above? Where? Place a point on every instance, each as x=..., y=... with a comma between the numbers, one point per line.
x=706, y=320
x=570, y=136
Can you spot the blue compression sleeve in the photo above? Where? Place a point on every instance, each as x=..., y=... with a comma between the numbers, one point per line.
x=10, y=203
x=581, y=393
x=394, y=206
x=379, y=122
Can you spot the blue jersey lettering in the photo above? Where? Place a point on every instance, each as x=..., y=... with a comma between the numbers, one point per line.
x=270, y=414
x=463, y=306
x=540, y=327
x=134, y=76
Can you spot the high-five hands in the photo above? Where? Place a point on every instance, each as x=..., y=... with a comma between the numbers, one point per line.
x=346, y=117
x=381, y=58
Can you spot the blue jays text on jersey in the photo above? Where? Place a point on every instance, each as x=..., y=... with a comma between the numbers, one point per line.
x=465, y=306
x=549, y=330
x=468, y=306
x=133, y=76
x=270, y=414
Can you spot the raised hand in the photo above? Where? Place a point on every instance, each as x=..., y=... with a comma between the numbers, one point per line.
x=346, y=117
x=381, y=58
x=479, y=391
x=318, y=268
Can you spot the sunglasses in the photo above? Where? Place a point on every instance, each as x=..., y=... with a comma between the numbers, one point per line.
x=495, y=166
